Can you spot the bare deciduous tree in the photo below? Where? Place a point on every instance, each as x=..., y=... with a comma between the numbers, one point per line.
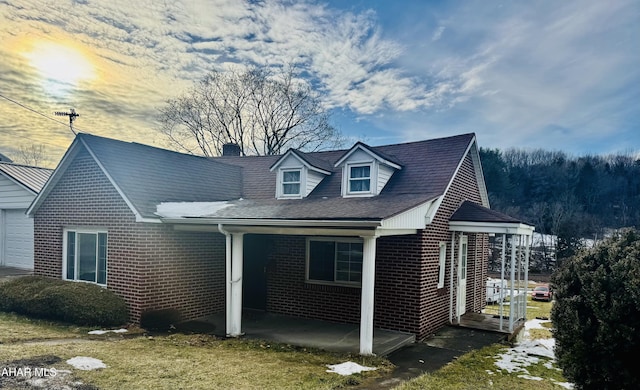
x=262, y=112
x=32, y=154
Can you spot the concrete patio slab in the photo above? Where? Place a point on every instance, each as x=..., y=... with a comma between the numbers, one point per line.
x=325, y=335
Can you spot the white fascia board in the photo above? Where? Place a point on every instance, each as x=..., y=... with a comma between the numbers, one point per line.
x=475, y=156
x=371, y=153
x=415, y=218
x=54, y=178
x=477, y=167
x=302, y=161
x=488, y=227
x=274, y=222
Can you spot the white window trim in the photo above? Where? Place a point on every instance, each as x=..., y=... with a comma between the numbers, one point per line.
x=300, y=183
x=442, y=261
x=325, y=282
x=65, y=238
x=373, y=178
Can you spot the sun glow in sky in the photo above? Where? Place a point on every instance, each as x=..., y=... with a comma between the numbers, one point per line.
x=61, y=67
x=545, y=74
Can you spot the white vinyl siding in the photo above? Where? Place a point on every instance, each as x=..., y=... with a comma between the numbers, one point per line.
x=13, y=196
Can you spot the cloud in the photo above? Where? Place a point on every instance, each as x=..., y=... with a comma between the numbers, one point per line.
x=509, y=71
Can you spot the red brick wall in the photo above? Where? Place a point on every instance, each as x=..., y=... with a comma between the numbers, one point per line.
x=407, y=297
x=150, y=265
x=153, y=266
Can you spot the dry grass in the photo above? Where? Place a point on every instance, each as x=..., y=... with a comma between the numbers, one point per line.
x=180, y=361
x=15, y=328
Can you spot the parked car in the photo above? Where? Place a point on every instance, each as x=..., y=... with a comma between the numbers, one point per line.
x=542, y=292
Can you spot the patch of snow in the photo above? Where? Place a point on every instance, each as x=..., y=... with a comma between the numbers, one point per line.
x=107, y=331
x=86, y=363
x=529, y=352
x=348, y=368
x=533, y=378
x=189, y=209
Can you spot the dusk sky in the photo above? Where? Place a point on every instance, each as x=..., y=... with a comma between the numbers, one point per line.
x=558, y=75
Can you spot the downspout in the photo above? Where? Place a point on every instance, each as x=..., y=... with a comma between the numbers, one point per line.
x=227, y=281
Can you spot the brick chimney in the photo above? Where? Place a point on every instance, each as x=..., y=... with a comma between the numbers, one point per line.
x=230, y=149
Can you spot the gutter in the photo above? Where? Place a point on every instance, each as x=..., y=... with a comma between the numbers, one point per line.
x=274, y=222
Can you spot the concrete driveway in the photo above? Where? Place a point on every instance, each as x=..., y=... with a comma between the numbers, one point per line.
x=7, y=273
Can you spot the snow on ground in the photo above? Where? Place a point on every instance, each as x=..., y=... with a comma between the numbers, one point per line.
x=530, y=352
x=348, y=368
x=86, y=363
x=107, y=331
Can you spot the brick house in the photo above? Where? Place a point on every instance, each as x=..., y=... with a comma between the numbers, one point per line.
x=391, y=236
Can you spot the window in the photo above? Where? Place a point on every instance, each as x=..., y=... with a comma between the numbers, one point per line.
x=85, y=256
x=291, y=182
x=360, y=178
x=463, y=257
x=441, y=264
x=334, y=261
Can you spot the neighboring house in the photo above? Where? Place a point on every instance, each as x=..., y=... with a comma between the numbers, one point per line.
x=19, y=185
x=365, y=235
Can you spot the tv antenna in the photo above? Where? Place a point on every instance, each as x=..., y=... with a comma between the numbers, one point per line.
x=72, y=115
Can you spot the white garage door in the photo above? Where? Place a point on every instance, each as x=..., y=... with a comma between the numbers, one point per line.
x=17, y=247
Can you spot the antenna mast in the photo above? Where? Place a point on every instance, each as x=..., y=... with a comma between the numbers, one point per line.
x=72, y=115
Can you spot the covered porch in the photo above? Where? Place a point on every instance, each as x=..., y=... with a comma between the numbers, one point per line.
x=471, y=218
x=237, y=321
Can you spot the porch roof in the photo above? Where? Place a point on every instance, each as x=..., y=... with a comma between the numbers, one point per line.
x=472, y=217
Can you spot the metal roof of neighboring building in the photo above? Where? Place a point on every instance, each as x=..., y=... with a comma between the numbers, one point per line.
x=32, y=178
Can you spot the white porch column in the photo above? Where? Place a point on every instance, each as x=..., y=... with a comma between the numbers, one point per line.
x=235, y=311
x=367, y=295
x=502, y=285
x=513, y=282
x=528, y=241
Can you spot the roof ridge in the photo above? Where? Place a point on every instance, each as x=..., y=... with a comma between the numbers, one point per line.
x=24, y=165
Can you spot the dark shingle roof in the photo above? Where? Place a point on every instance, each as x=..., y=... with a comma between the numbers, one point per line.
x=148, y=176
x=30, y=177
x=427, y=168
x=473, y=212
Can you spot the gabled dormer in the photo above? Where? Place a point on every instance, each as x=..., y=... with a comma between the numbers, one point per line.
x=297, y=174
x=365, y=172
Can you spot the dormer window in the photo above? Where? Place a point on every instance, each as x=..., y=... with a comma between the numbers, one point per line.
x=365, y=171
x=291, y=180
x=297, y=174
x=360, y=179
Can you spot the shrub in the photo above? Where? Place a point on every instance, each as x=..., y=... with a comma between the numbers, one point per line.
x=21, y=295
x=597, y=315
x=160, y=319
x=55, y=299
x=86, y=304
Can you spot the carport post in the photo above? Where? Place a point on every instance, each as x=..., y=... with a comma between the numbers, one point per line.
x=236, y=284
x=367, y=295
